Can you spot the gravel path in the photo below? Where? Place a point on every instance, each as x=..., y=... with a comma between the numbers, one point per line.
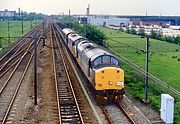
x=116, y=114
x=151, y=114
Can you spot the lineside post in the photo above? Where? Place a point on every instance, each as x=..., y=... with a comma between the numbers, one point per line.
x=147, y=55
x=35, y=68
x=146, y=100
x=22, y=23
x=31, y=24
x=8, y=38
x=0, y=44
x=8, y=33
x=8, y=25
x=44, y=44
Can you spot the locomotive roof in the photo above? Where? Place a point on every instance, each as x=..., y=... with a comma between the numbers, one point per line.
x=89, y=49
x=74, y=37
x=67, y=31
x=93, y=51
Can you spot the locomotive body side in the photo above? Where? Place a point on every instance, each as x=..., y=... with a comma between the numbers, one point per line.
x=101, y=68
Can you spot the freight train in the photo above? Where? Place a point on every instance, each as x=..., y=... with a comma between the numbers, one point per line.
x=101, y=68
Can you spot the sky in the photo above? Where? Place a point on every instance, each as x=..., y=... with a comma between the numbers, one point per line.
x=114, y=7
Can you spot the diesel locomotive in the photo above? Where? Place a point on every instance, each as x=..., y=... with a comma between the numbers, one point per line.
x=101, y=68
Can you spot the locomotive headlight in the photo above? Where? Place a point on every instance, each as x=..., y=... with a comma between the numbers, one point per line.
x=120, y=83
x=110, y=83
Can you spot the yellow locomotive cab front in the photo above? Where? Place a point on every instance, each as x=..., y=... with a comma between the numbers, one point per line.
x=109, y=78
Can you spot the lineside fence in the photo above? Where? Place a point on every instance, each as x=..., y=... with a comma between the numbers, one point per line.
x=159, y=84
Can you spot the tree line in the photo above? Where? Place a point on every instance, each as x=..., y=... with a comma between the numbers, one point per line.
x=86, y=30
x=26, y=16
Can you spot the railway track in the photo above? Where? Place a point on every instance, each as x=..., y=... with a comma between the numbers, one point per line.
x=14, y=55
x=17, y=47
x=108, y=119
x=122, y=117
x=69, y=111
x=127, y=115
x=13, y=82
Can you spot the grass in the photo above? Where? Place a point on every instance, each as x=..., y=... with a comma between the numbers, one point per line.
x=163, y=60
x=15, y=30
x=163, y=63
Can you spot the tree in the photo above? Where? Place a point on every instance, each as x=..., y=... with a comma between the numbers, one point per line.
x=94, y=34
x=127, y=30
x=121, y=29
x=141, y=32
x=177, y=40
x=133, y=31
x=87, y=30
x=157, y=35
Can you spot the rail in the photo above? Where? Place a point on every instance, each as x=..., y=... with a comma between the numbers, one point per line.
x=69, y=110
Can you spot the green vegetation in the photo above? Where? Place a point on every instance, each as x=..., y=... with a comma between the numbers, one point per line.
x=163, y=63
x=15, y=30
x=26, y=16
x=88, y=31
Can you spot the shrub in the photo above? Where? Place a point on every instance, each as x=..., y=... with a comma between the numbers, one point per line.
x=174, y=56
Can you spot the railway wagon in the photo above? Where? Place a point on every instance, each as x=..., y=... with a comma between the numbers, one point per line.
x=101, y=68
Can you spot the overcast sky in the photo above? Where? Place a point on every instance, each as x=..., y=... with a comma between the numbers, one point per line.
x=120, y=7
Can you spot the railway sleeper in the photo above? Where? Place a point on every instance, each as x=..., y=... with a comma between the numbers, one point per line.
x=69, y=112
x=67, y=107
x=71, y=121
x=67, y=116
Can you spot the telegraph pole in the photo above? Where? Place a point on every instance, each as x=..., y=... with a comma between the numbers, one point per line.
x=146, y=100
x=35, y=68
x=36, y=22
x=43, y=36
x=69, y=18
x=22, y=21
x=8, y=25
x=31, y=24
x=8, y=33
x=0, y=44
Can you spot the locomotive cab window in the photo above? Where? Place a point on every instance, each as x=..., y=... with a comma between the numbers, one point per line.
x=97, y=61
x=114, y=61
x=105, y=60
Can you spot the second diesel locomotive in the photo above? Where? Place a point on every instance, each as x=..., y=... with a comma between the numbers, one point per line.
x=101, y=68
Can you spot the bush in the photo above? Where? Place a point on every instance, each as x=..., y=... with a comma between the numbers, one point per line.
x=88, y=31
x=174, y=56
x=92, y=33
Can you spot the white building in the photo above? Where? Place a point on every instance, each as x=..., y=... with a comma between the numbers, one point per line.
x=108, y=21
x=7, y=13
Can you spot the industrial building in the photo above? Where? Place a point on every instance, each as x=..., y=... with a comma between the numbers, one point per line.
x=7, y=14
